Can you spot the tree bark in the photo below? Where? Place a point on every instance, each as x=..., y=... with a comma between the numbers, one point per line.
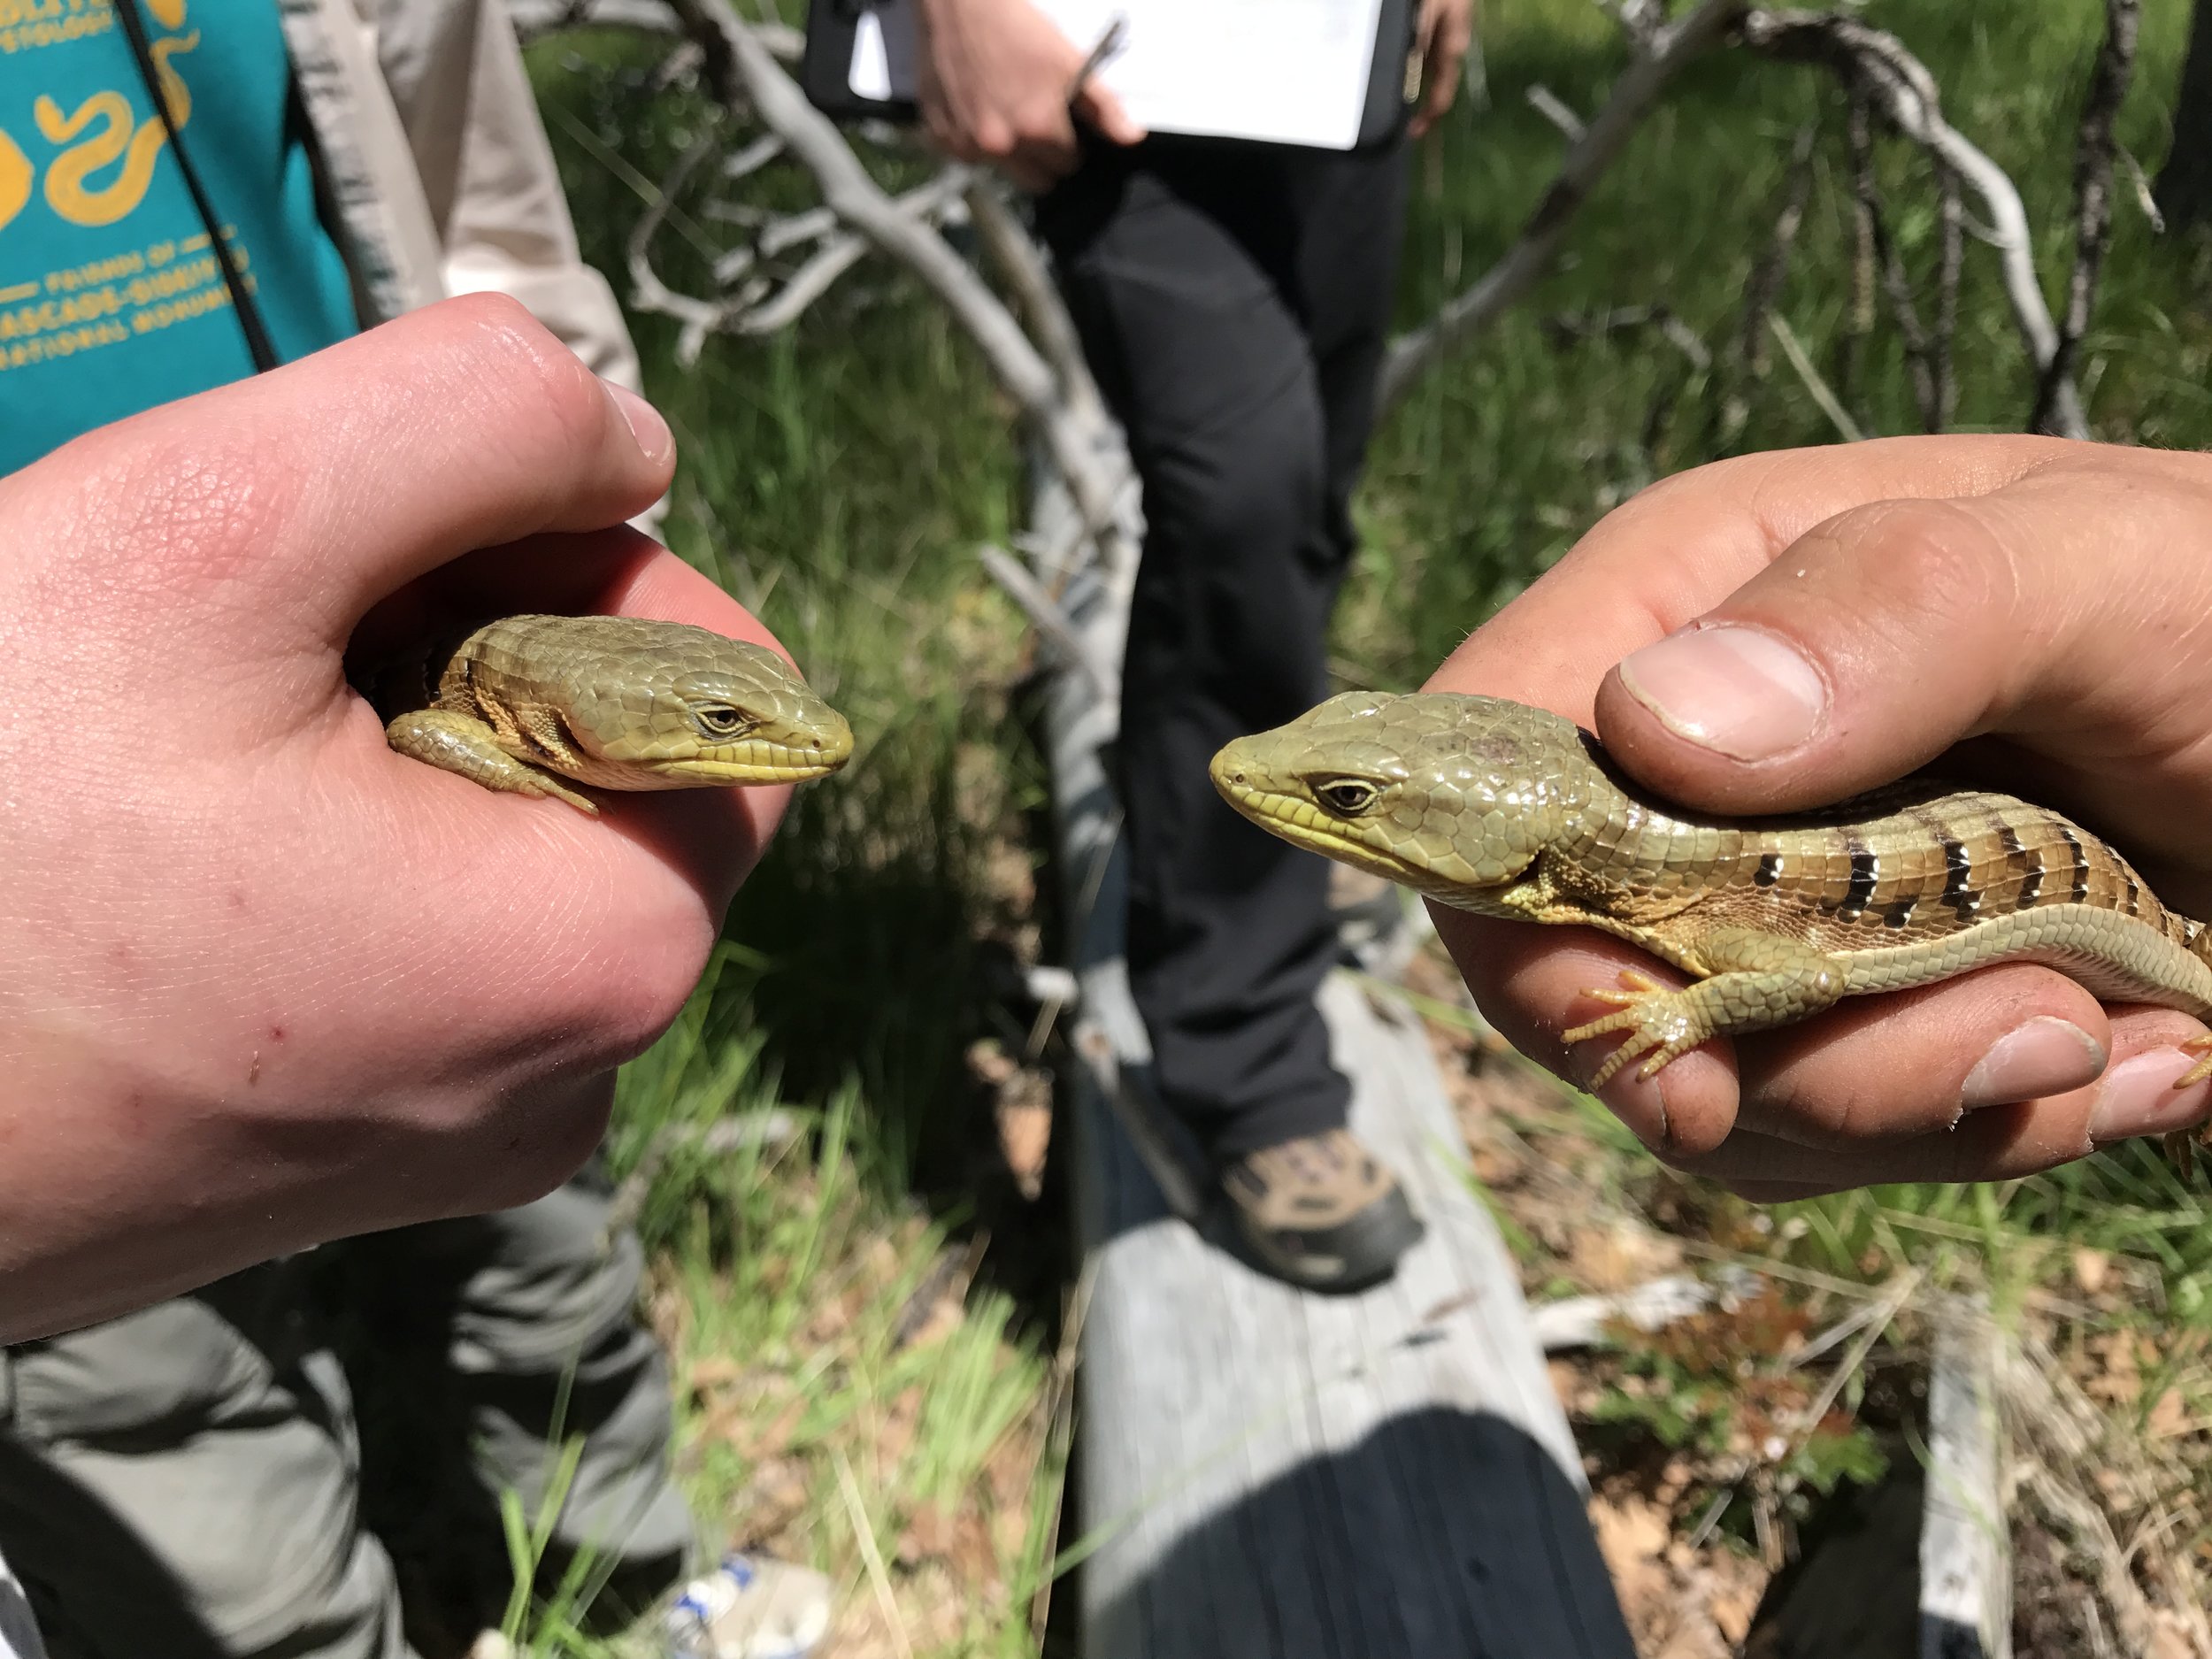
x=2184, y=183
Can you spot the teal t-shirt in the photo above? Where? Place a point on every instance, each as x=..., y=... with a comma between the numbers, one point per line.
x=110, y=300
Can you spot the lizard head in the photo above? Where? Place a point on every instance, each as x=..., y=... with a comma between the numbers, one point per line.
x=1448, y=794
x=684, y=706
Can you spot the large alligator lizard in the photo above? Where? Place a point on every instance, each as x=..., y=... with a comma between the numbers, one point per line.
x=614, y=701
x=1511, y=811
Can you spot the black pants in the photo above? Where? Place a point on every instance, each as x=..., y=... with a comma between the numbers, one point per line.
x=1233, y=301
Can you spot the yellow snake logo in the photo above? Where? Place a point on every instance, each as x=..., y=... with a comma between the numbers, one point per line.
x=137, y=144
x=16, y=173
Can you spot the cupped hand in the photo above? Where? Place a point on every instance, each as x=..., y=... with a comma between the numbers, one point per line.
x=1785, y=630
x=998, y=85
x=263, y=982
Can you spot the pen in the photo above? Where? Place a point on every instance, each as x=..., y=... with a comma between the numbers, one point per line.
x=1109, y=48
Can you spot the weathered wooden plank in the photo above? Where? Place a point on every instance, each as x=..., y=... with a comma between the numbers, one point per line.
x=1266, y=1474
x=1293, y=1475
x=1285, y=1475
x=1965, y=1538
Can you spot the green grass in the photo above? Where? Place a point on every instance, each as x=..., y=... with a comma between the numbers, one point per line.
x=838, y=479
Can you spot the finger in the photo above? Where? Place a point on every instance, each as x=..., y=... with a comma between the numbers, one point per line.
x=1629, y=581
x=1997, y=1143
x=1441, y=87
x=1030, y=175
x=1882, y=1068
x=1530, y=983
x=1884, y=636
x=329, y=482
x=1103, y=112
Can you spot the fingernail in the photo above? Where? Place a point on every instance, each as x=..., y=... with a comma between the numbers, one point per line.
x=1639, y=1102
x=1735, y=690
x=654, y=439
x=2138, y=1098
x=2044, y=1056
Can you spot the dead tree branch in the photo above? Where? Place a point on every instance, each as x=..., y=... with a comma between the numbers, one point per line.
x=1750, y=359
x=1951, y=261
x=2093, y=197
x=1900, y=87
x=1668, y=48
x=1553, y=109
x=742, y=73
x=1884, y=259
x=1014, y=252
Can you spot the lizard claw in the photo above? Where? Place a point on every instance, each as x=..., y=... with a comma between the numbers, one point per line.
x=1635, y=988
x=2181, y=1144
x=2197, y=1073
x=1658, y=1023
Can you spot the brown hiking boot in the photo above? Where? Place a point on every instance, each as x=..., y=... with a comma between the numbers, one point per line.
x=1321, y=1212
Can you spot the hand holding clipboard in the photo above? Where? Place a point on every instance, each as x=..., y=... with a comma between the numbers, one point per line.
x=1331, y=74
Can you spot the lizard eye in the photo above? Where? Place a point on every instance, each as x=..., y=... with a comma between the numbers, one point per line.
x=1347, y=797
x=716, y=720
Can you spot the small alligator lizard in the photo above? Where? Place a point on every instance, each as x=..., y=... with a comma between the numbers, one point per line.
x=1507, y=810
x=614, y=701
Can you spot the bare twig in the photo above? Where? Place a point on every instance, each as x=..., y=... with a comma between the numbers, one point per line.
x=1586, y=159
x=1951, y=261
x=700, y=318
x=1900, y=88
x=1801, y=1424
x=1858, y=326
x=1048, y=620
x=1765, y=285
x=1633, y=319
x=1824, y=394
x=1015, y=253
x=2139, y=182
x=837, y=254
x=1643, y=22
x=773, y=1130
x=753, y=158
x=741, y=71
x=1553, y=109
x=1588, y=1321
x=1884, y=259
x=2093, y=198
x=534, y=18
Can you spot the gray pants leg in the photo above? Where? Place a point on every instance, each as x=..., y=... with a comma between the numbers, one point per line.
x=187, y=1481
x=481, y=1347
x=181, y=1481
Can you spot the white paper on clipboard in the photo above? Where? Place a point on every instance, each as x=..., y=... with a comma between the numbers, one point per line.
x=1282, y=71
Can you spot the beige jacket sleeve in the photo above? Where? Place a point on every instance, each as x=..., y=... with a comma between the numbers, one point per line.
x=493, y=195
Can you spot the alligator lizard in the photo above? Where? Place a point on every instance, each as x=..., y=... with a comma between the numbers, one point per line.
x=617, y=702
x=1506, y=810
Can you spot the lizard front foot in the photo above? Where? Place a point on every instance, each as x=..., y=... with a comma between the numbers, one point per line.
x=2181, y=1144
x=2203, y=1069
x=1663, y=1023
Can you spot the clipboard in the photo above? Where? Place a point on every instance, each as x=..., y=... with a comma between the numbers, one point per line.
x=1326, y=74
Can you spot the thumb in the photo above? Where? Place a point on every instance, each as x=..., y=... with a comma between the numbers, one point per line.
x=349, y=473
x=1102, y=111
x=1880, y=638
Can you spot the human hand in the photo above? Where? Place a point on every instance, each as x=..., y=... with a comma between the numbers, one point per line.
x=263, y=982
x=1441, y=36
x=1793, y=628
x=998, y=85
